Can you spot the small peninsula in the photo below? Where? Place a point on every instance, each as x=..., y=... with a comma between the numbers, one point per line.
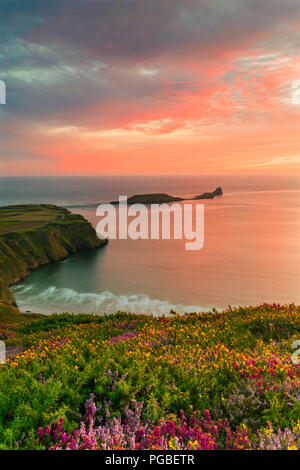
x=35, y=235
x=160, y=198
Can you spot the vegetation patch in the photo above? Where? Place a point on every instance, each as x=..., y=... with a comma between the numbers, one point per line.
x=124, y=381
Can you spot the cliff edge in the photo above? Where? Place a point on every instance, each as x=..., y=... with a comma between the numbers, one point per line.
x=35, y=235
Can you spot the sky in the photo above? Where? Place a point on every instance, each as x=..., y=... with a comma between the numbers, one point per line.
x=149, y=86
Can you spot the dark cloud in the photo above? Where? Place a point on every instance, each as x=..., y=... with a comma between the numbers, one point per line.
x=61, y=57
x=140, y=29
x=66, y=91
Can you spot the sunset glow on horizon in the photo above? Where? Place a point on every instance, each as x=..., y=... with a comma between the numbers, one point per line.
x=159, y=87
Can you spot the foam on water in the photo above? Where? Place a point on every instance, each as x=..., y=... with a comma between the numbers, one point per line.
x=53, y=299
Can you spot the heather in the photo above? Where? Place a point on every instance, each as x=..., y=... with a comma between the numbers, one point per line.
x=215, y=380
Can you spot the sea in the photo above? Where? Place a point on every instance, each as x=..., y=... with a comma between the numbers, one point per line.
x=251, y=251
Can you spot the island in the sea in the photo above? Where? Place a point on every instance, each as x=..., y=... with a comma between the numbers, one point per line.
x=217, y=192
x=35, y=235
x=160, y=198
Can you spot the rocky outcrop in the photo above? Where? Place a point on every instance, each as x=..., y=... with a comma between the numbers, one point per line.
x=217, y=192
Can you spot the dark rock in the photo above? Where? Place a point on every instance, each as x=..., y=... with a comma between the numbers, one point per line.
x=217, y=192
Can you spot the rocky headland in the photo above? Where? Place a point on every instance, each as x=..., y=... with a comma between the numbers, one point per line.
x=35, y=235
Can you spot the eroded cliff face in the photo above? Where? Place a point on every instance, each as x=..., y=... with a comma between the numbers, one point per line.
x=59, y=234
x=6, y=297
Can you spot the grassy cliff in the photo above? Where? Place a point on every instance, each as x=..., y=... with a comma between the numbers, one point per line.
x=34, y=235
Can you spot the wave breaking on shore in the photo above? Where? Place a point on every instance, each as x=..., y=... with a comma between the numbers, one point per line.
x=54, y=299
